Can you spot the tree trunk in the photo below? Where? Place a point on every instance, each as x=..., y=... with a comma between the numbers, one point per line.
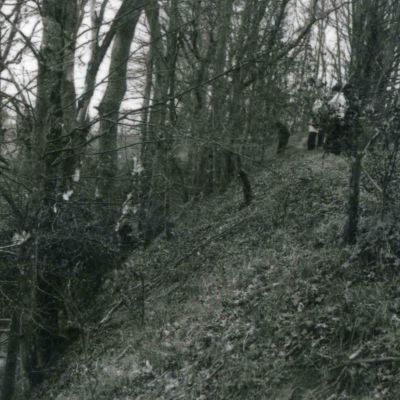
x=55, y=116
x=110, y=104
x=8, y=384
x=155, y=154
x=368, y=80
x=351, y=227
x=213, y=158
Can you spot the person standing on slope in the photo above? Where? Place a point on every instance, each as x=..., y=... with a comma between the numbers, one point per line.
x=336, y=127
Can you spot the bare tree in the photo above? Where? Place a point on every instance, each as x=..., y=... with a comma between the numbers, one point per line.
x=371, y=38
x=114, y=94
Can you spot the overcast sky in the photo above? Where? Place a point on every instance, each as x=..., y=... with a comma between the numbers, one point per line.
x=25, y=72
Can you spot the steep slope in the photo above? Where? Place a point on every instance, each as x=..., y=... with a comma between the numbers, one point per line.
x=258, y=303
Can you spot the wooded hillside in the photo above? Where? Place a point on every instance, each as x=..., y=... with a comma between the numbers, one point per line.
x=146, y=145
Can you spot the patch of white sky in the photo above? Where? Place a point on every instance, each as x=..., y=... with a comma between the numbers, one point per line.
x=326, y=13
x=25, y=71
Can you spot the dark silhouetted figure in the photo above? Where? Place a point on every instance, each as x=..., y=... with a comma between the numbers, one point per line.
x=336, y=131
x=283, y=136
x=312, y=138
x=316, y=129
x=321, y=138
x=127, y=239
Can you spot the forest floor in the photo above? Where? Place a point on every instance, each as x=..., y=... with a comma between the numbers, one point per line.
x=263, y=302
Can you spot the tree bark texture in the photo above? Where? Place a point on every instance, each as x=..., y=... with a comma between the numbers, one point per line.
x=8, y=384
x=109, y=107
x=351, y=227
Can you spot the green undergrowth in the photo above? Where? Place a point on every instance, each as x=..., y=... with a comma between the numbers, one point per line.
x=263, y=302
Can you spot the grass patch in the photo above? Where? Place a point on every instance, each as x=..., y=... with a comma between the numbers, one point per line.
x=261, y=303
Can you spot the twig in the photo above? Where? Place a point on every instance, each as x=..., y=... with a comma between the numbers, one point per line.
x=371, y=141
x=372, y=361
x=372, y=180
x=217, y=369
x=110, y=312
x=123, y=352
